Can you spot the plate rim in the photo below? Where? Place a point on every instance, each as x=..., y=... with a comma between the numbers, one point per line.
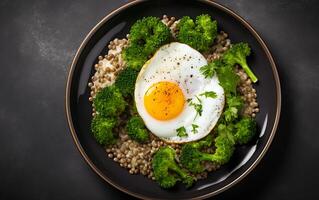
x=210, y=3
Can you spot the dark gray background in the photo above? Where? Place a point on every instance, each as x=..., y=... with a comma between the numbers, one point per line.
x=38, y=159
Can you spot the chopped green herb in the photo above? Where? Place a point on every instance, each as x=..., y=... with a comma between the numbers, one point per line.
x=209, y=70
x=233, y=107
x=181, y=132
x=200, y=101
x=228, y=79
x=198, y=107
x=227, y=131
x=194, y=128
x=209, y=94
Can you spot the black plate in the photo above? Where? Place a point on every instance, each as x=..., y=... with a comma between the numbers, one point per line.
x=117, y=24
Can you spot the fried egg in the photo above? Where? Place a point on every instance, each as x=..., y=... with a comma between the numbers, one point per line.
x=170, y=95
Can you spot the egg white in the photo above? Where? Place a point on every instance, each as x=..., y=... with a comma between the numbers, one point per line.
x=179, y=63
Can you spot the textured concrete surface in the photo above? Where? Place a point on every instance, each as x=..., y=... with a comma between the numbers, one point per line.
x=38, y=159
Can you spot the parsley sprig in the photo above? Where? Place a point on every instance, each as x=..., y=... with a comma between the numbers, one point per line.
x=209, y=70
x=227, y=76
x=194, y=128
x=233, y=107
x=181, y=132
x=209, y=94
x=228, y=79
x=197, y=106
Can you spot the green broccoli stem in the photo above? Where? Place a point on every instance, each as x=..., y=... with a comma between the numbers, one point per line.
x=207, y=157
x=178, y=170
x=248, y=71
x=218, y=157
x=186, y=178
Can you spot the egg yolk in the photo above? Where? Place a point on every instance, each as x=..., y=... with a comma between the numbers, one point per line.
x=164, y=100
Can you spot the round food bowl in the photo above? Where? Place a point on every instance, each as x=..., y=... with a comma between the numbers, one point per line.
x=117, y=25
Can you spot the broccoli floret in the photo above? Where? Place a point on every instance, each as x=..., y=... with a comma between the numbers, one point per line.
x=134, y=56
x=109, y=102
x=102, y=130
x=245, y=130
x=225, y=144
x=207, y=27
x=192, y=157
x=150, y=32
x=199, y=34
x=146, y=36
x=126, y=82
x=166, y=170
x=136, y=129
x=237, y=55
